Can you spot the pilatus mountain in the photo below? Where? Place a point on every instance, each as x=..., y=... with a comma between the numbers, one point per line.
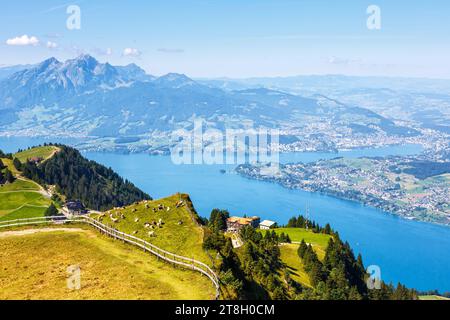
x=85, y=98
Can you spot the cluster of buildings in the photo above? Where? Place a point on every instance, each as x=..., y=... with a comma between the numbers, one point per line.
x=322, y=135
x=235, y=224
x=384, y=183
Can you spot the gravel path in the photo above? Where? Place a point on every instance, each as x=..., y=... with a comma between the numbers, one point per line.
x=7, y=234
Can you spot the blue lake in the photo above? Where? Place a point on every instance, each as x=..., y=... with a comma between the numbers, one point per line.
x=411, y=252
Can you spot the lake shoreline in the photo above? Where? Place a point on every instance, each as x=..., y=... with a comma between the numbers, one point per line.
x=337, y=196
x=411, y=252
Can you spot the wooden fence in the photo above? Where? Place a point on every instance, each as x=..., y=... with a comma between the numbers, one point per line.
x=167, y=256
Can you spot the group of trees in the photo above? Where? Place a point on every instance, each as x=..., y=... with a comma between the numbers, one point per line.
x=256, y=270
x=51, y=211
x=17, y=164
x=338, y=277
x=302, y=222
x=253, y=273
x=6, y=155
x=423, y=169
x=230, y=273
x=261, y=262
x=341, y=276
x=75, y=177
x=6, y=175
x=283, y=238
x=218, y=220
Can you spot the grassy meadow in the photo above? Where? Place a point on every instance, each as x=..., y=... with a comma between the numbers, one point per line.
x=294, y=264
x=299, y=234
x=180, y=232
x=21, y=199
x=38, y=152
x=35, y=267
x=289, y=254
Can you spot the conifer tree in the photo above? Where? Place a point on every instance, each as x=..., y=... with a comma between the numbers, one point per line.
x=51, y=211
x=9, y=177
x=17, y=164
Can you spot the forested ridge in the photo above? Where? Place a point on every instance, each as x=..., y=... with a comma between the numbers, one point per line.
x=253, y=271
x=256, y=270
x=98, y=187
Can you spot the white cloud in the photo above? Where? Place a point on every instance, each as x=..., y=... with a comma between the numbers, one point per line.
x=131, y=52
x=23, y=41
x=52, y=45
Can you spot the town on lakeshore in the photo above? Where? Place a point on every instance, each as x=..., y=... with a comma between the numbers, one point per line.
x=219, y=151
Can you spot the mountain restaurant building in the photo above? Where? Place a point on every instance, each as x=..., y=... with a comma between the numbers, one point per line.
x=235, y=224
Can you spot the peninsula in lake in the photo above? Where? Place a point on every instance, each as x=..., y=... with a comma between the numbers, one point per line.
x=413, y=187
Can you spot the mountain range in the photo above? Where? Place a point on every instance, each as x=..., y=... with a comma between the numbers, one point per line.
x=423, y=101
x=83, y=97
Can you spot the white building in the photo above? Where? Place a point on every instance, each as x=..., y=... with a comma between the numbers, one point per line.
x=267, y=224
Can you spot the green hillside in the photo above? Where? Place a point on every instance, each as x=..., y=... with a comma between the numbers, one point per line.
x=300, y=261
x=179, y=232
x=299, y=234
x=43, y=152
x=77, y=178
x=34, y=266
x=289, y=254
x=23, y=198
x=105, y=264
x=294, y=264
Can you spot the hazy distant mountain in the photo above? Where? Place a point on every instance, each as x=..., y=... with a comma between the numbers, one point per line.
x=7, y=71
x=419, y=100
x=328, y=83
x=132, y=71
x=84, y=97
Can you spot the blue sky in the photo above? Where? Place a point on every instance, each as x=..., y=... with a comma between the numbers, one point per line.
x=237, y=38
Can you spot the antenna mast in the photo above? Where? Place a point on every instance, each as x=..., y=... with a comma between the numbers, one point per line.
x=307, y=216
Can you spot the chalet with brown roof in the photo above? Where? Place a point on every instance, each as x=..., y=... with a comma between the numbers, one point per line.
x=36, y=160
x=235, y=224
